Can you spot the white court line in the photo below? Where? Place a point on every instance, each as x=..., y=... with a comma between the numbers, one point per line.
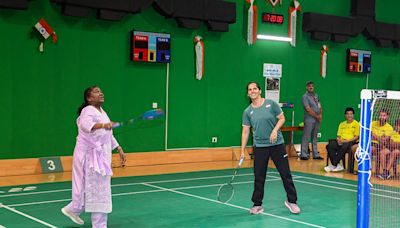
x=189, y=179
x=34, y=193
x=185, y=179
x=27, y=216
x=133, y=193
x=231, y=205
x=383, y=190
x=345, y=184
x=327, y=181
x=173, y=180
x=345, y=189
x=326, y=186
x=200, y=178
x=39, y=202
x=189, y=187
x=129, y=184
x=295, y=177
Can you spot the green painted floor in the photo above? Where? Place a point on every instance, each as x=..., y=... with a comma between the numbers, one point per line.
x=189, y=200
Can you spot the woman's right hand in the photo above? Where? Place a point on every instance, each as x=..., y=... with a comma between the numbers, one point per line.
x=241, y=154
x=108, y=126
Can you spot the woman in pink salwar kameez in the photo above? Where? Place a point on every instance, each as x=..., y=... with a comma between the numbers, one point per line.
x=91, y=168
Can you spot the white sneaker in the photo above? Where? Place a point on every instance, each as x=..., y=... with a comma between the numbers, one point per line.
x=293, y=207
x=75, y=218
x=256, y=210
x=338, y=168
x=329, y=168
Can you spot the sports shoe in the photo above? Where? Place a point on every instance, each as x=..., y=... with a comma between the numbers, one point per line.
x=338, y=168
x=385, y=175
x=381, y=176
x=256, y=210
x=329, y=168
x=293, y=208
x=75, y=218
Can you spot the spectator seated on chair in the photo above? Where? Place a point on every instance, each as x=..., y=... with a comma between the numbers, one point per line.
x=347, y=135
x=394, y=148
x=381, y=131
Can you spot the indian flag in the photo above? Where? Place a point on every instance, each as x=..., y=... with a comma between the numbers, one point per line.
x=44, y=28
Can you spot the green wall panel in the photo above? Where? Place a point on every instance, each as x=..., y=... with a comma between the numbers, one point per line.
x=41, y=91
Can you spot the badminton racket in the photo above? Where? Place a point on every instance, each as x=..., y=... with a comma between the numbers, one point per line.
x=148, y=115
x=226, y=191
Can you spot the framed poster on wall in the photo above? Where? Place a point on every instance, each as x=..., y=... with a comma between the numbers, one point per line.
x=272, y=88
x=272, y=73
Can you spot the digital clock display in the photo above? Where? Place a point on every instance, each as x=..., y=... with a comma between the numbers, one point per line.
x=272, y=18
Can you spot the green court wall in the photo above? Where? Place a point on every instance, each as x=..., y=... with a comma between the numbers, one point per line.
x=40, y=92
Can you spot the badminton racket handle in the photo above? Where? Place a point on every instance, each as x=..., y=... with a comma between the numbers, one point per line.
x=241, y=161
x=117, y=125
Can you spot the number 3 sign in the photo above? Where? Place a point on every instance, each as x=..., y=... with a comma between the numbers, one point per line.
x=51, y=165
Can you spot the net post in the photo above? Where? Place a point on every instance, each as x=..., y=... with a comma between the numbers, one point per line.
x=363, y=194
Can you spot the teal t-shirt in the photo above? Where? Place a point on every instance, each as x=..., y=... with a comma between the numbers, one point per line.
x=263, y=120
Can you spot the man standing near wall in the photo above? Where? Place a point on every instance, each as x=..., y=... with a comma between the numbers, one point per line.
x=312, y=120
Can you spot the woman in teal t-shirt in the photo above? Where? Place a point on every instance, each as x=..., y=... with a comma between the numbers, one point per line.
x=266, y=118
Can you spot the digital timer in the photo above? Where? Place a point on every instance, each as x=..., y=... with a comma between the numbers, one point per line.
x=272, y=18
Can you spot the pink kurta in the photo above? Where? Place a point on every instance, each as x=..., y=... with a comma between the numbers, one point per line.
x=91, y=172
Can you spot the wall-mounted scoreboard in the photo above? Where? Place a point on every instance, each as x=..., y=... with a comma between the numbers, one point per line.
x=151, y=47
x=358, y=61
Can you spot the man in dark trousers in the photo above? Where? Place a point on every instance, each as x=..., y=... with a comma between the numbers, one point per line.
x=347, y=135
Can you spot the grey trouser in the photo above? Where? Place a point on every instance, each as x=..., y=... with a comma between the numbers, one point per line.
x=310, y=131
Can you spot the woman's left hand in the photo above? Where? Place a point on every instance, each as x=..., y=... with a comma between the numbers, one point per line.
x=273, y=137
x=122, y=156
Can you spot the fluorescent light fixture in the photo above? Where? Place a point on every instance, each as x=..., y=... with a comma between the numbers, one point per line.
x=276, y=38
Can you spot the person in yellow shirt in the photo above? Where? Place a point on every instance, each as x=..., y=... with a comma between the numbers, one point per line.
x=347, y=135
x=394, y=146
x=381, y=131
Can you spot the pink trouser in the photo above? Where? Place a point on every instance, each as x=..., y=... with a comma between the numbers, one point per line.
x=77, y=205
x=99, y=220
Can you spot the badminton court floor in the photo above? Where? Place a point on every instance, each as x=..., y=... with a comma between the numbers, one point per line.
x=190, y=200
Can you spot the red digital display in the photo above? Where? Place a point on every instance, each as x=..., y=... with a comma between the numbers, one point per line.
x=272, y=18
